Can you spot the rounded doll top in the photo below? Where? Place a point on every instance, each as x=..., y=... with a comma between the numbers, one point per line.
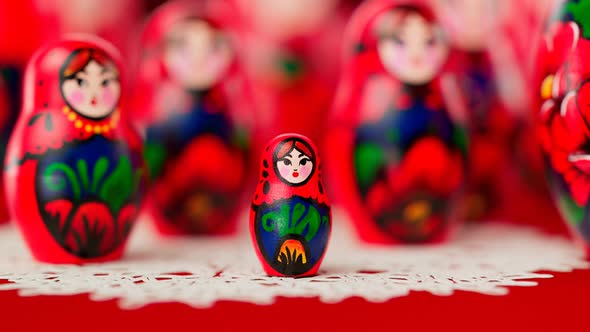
x=390, y=44
x=290, y=167
x=188, y=47
x=82, y=74
x=73, y=89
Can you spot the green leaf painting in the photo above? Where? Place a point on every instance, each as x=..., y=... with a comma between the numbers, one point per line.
x=120, y=185
x=572, y=212
x=57, y=183
x=115, y=188
x=460, y=138
x=155, y=157
x=368, y=159
x=241, y=138
x=580, y=11
x=300, y=220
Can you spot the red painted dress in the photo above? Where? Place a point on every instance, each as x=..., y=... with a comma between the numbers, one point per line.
x=194, y=105
x=290, y=218
x=74, y=167
x=397, y=147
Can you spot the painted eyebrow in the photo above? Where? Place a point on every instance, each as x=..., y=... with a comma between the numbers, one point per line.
x=289, y=155
x=301, y=155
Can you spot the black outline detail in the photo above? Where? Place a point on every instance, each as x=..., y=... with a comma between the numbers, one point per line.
x=92, y=247
x=62, y=79
x=275, y=160
x=271, y=261
x=293, y=266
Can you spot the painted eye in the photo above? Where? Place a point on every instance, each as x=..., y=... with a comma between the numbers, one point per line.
x=287, y=162
x=105, y=83
x=398, y=41
x=81, y=82
x=431, y=42
x=303, y=162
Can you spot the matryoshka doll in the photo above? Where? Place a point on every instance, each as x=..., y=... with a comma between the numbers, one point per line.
x=398, y=145
x=290, y=218
x=74, y=167
x=564, y=116
x=198, y=118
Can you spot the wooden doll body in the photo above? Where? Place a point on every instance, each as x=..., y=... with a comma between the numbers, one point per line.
x=197, y=118
x=564, y=115
x=290, y=218
x=401, y=159
x=74, y=167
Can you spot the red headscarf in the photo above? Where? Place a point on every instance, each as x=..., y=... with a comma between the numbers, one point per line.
x=271, y=187
x=152, y=74
x=361, y=59
x=46, y=113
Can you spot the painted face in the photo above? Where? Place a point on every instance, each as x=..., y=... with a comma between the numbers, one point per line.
x=196, y=55
x=94, y=91
x=295, y=167
x=410, y=48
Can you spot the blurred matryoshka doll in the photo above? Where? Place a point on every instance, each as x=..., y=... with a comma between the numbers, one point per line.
x=74, y=169
x=291, y=53
x=194, y=105
x=494, y=83
x=396, y=154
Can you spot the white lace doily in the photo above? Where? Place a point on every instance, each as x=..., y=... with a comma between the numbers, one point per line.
x=484, y=258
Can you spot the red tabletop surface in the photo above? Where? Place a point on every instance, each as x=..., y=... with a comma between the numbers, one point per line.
x=557, y=304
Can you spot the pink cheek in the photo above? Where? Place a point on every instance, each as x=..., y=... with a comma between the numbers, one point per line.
x=305, y=171
x=76, y=98
x=400, y=57
x=108, y=97
x=284, y=171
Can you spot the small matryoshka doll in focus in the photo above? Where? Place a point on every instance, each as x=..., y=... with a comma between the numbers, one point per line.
x=290, y=219
x=400, y=165
x=563, y=120
x=74, y=167
x=198, y=119
x=495, y=85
